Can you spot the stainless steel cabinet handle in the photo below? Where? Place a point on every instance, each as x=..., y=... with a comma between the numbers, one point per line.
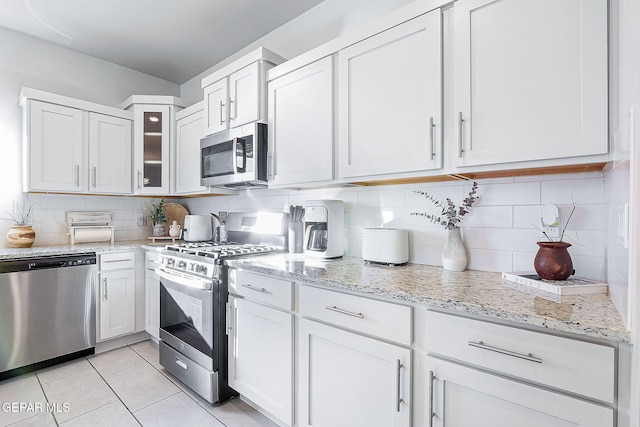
x=432, y=132
x=232, y=104
x=105, y=295
x=77, y=175
x=398, y=398
x=107, y=261
x=253, y=288
x=432, y=414
x=484, y=346
x=348, y=313
x=94, y=176
x=221, y=111
x=139, y=180
x=460, y=134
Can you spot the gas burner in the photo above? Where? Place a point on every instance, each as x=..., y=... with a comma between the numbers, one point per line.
x=220, y=250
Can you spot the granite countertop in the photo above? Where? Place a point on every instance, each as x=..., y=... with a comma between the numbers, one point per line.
x=14, y=253
x=475, y=292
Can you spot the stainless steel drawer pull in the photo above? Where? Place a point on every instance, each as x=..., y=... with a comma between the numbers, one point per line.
x=94, y=176
x=105, y=295
x=348, y=313
x=484, y=346
x=181, y=364
x=253, y=288
x=106, y=261
x=221, y=111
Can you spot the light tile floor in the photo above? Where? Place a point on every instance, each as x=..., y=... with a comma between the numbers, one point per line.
x=123, y=387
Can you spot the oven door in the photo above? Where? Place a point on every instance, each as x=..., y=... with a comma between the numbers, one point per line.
x=187, y=316
x=221, y=159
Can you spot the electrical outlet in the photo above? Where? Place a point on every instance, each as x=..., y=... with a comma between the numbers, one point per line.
x=139, y=215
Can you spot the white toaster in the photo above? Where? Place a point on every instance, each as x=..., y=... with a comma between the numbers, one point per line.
x=385, y=245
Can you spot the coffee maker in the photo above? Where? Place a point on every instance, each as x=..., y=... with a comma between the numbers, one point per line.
x=324, y=228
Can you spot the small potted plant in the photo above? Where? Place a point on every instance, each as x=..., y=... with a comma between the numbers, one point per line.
x=21, y=233
x=454, y=254
x=158, y=218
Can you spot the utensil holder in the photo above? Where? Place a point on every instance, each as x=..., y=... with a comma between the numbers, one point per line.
x=296, y=236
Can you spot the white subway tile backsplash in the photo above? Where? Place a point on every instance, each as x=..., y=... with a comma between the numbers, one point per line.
x=508, y=194
x=489, y=260
x=580, y=191
x=499, y=232
x=588, y=267
x=514, y=239
x=586, y=242
x=489, y=216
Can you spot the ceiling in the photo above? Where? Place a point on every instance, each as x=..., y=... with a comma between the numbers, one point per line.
x=170, y=39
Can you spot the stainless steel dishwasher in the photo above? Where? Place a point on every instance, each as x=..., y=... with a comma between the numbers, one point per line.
x=47, y=311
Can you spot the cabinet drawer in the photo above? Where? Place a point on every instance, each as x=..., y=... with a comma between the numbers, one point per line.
x=382, y=319
x=117, y=260
x=266, y=289
x=576, y=366
x=151, y=259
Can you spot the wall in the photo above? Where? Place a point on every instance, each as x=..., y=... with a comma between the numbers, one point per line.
x=499, y=232
x=26, y=61
x=626, y=131
x=321, y=24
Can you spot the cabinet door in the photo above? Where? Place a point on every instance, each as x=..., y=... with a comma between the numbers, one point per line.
x=56, y=150
x=261, y=356
x=151, y=151
x=110, y=151
x=187, y=173
x=347, y=379
x=216, y=107
x=244, y=95
x=117, y=303
x=492, y=401
x=530, y=80
x=390, y=100
x=152, y=304
x=301, y=125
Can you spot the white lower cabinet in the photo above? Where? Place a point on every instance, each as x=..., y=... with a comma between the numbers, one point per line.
x=117, y=295
x=260, y=340
x=152, y=296
x=344, y=377
x=467, y=397
x=261, y=356
x=347, y=379
x=505, y=376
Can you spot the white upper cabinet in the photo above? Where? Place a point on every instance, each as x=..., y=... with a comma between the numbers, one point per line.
x=244, y=99
x=151, y=149
x=236, y=94
x=189, y=125
x=109, y=154
x=390, y=100
x=530, y=80
x=74, y=146
x=301, y=125
x=216, y=107
x=56, y=150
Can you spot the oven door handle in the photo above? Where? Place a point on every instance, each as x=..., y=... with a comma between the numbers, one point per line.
x=192, y=282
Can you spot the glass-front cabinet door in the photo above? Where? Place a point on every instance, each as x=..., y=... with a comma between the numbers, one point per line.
x=152, y=136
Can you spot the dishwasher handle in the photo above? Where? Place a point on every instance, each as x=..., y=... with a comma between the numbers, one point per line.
x=36, y=265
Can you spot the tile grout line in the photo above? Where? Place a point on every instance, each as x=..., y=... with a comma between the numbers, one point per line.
x=181, y=391
x=114, y=392
x=55, y=420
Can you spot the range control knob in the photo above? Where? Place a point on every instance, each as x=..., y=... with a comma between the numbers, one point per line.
x=182, y=264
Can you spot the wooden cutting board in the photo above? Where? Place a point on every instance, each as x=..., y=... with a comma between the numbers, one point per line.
x=175, y=212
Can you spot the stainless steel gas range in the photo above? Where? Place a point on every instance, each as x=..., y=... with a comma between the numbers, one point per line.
x=193, y=297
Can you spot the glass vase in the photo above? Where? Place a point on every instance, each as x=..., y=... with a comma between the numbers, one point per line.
x=454, y=254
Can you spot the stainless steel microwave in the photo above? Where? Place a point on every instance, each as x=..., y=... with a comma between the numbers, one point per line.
x=235, y=158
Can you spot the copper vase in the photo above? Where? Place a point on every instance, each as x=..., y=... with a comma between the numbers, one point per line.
x=553, y=261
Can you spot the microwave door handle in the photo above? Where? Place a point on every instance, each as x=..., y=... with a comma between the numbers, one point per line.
x=234, y=148
x=243, y=145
